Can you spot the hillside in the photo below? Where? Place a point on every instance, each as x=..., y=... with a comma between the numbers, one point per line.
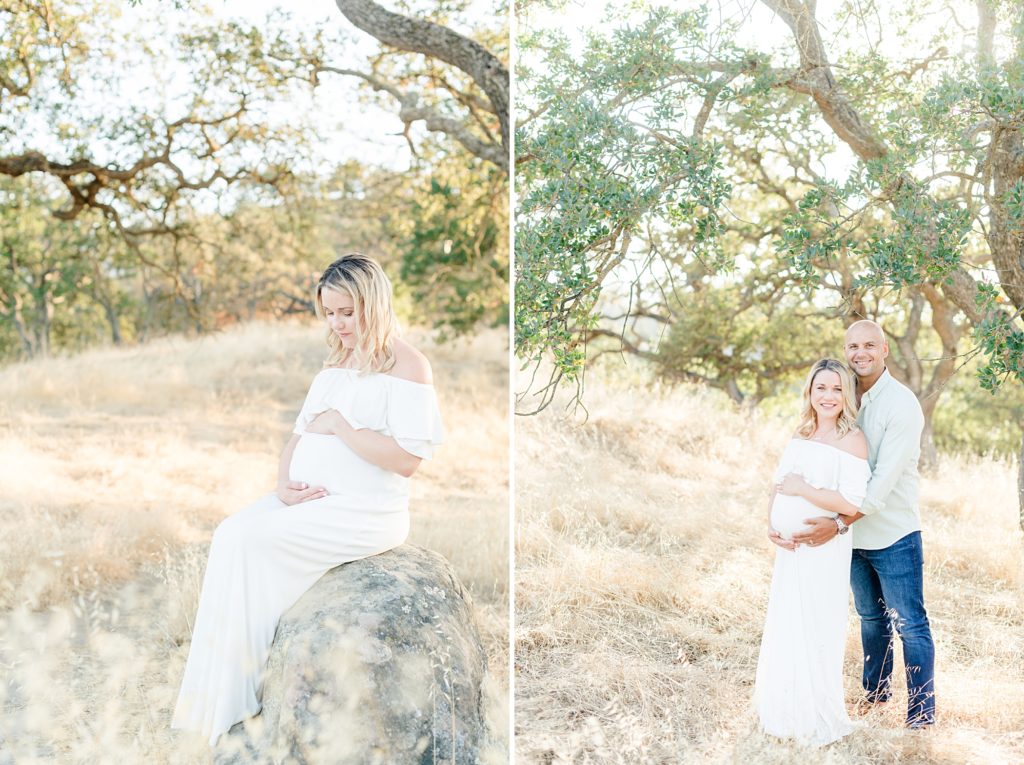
x=115, y=467
x=642, y=573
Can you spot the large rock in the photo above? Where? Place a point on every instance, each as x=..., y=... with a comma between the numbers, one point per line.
x=380, y=662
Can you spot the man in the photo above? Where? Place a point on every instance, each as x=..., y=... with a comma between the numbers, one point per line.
x=886, y=573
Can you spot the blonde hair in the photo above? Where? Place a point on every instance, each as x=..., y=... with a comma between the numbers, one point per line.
x=363, y=279
x=847, y=420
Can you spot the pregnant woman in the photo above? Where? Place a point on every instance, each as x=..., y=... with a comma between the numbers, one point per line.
x=342, y=494
x=823, y=472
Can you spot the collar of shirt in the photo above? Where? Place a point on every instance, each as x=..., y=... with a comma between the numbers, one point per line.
x=876, y=390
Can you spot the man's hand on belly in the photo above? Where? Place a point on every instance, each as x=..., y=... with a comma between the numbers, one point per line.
x=820, y=531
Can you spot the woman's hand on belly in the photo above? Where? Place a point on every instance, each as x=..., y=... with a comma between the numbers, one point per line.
x=793, y=485
x=778, y=539
x=326, y=423
x=296, y=492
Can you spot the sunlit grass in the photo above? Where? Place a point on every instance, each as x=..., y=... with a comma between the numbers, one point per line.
x=642, y=577
x=116, y=465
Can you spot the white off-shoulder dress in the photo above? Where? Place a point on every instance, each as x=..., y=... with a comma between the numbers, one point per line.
x=798, y=690
x=263, y=558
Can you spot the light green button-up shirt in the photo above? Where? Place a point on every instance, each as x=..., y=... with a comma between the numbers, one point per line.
x=891, y=418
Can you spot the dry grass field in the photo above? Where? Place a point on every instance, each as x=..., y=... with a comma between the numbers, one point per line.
x=115, y=467
x=642, y=573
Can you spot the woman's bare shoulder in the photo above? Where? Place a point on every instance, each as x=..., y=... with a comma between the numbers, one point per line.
x=410, y=364
x=854, y=443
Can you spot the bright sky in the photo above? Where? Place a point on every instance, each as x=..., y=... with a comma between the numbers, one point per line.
x=354, y=130
x=351, y=128
x=363, y=131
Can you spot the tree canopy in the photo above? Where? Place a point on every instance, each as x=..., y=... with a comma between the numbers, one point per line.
x=701, y=184
x=161, y=168
x=676, y=121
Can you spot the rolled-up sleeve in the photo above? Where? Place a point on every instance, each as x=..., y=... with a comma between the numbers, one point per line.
x=898, y=452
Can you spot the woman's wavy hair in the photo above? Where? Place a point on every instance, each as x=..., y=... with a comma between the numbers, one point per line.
x=362, y=278
x=847, y=418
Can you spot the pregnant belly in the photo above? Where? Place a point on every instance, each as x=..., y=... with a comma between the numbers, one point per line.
x=326, y=461
x=789, y=513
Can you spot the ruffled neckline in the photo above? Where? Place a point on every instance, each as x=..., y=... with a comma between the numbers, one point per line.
x=376, y=374
x=828, y=446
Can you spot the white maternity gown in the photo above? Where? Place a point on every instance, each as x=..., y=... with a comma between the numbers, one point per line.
x=263, y=558
x=799, y=686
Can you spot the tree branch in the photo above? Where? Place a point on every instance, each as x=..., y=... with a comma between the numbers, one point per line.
x=410, y=110
x=815, y=78
x=442, y=43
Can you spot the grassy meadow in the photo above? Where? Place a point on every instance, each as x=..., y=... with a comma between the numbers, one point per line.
x=642, y=578
x=115, y=467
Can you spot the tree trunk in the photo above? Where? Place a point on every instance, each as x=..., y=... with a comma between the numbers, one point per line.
x=929, y=454
x=19, y=325
x=1020, y=483
x=114, y=321
x=44, y=317
x=1007, y=160
x=147, y=309
x=101, y=295
x=731, y=387
x=928, y=401
x=1004, y=239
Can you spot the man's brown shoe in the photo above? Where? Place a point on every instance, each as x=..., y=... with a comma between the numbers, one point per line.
x=866, y=706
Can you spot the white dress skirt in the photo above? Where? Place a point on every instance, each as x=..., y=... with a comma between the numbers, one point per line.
x=263, y=558
x=798, y=690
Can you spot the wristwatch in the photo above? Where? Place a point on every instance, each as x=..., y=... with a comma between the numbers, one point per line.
x=843, y=528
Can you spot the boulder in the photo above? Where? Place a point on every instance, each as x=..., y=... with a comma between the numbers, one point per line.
x=379, y=662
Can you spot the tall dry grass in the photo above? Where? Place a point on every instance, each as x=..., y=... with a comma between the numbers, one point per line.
x=116, y=465
x=642, y=576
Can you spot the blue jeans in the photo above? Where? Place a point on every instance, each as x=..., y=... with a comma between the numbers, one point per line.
x=888, y=593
